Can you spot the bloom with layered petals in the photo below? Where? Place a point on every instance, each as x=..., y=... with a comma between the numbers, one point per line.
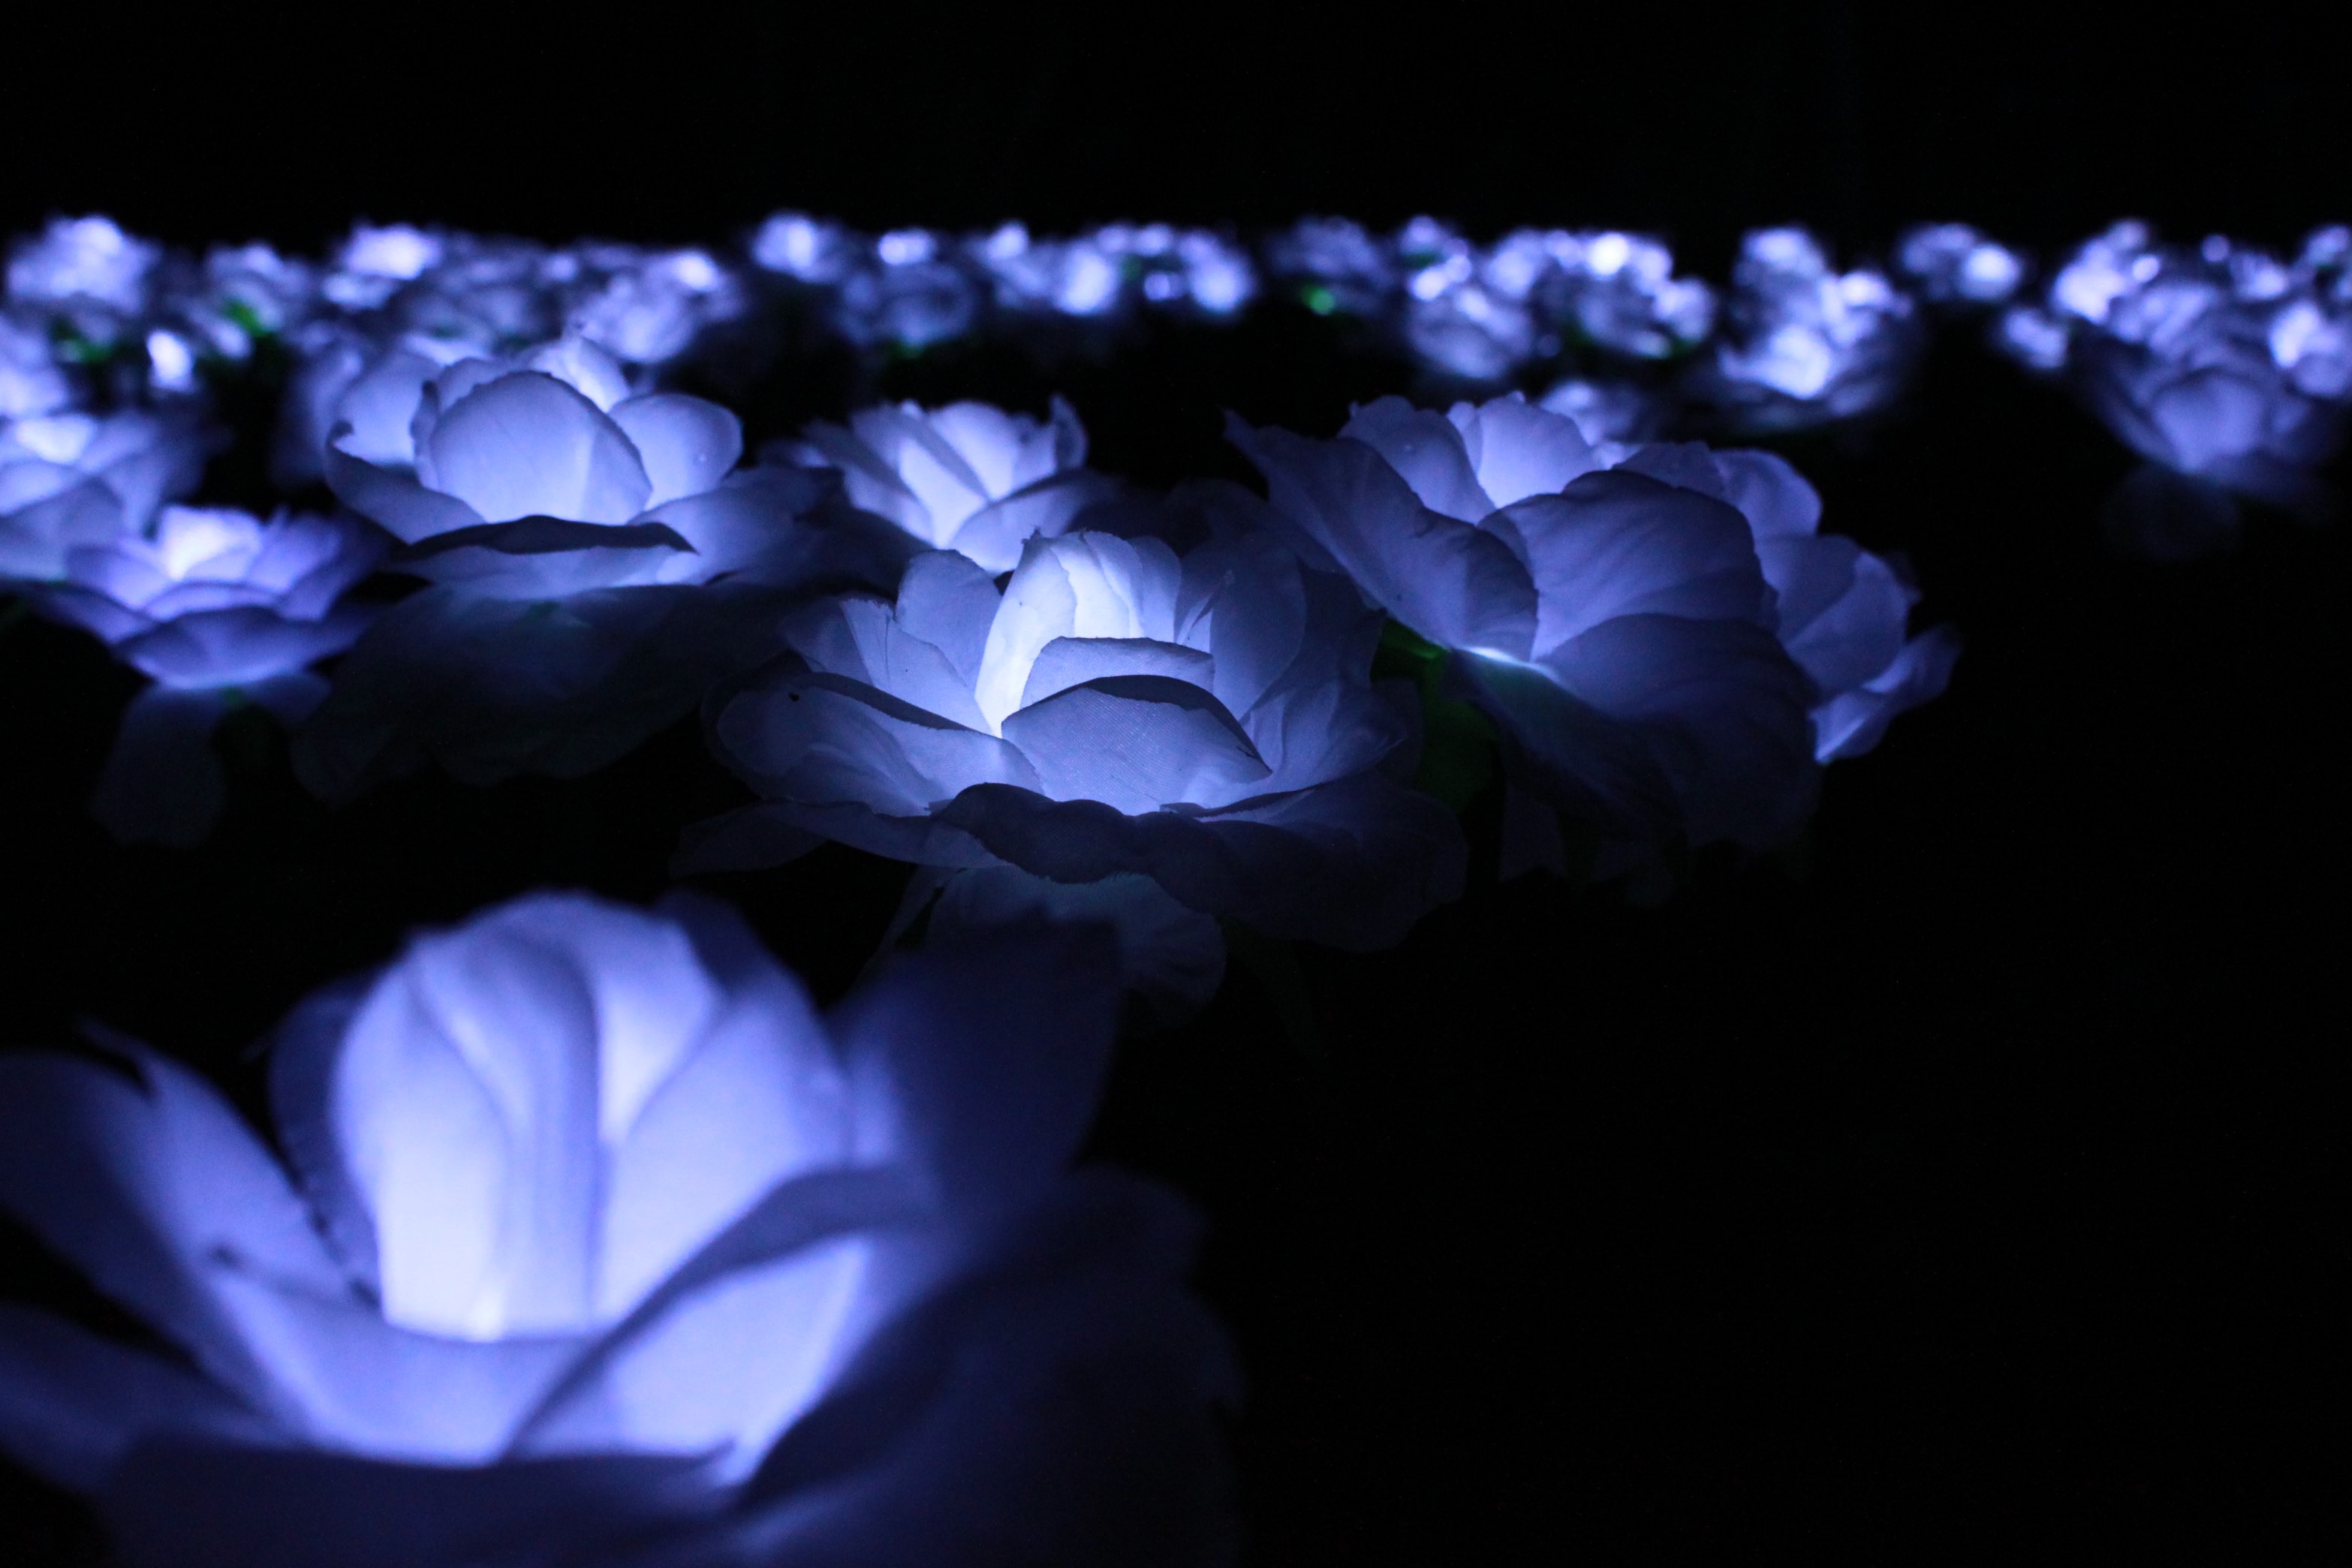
x=218, y=598
x=600, y=1247
x=1207, y=722
x=216, y=607
x=544, y=475
x=1666, y=646
x=70, y=480
x=967, y=477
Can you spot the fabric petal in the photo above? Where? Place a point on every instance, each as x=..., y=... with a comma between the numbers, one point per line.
x=1067, y=662
x=1854, y=721
x=1427, y=451
x=1057, y=1410
x=686, y=444
x=1616, y=544
x=992, y=535
x=1841, y=609
x=1772, y=495
x=807, y=736
x=36, y=537
x=978, y=1067
x=1519, y=450
x=1456, y=584
x=1351, y=863
x=240, y=647
x=1137, y=743
x=754, y=837
x=391, y=497
x=1722, y=708
x=528, y=446
x=947, y=600
x=379, y=406
x=862, y=639
x=137, y=1175
x=542, y=558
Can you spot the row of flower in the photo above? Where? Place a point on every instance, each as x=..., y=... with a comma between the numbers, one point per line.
x=2223, y=361
x=938, y=635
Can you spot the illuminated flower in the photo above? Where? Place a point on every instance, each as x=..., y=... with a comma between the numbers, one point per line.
x=967, y=477
x=903, y=293
x=1810, y=344
x=1333, y=266
x=1208, y=723
x=216, y=607
x=1953, y=264
x=645, y=307
x=544, y=475
x=600, y=1247
x=1666, y=646
x=2225, y=368
x=86, y=273
x=69, y=480
x=216, y=598
x=2208, y=396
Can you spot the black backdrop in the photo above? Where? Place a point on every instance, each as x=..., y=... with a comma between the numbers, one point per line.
x=1952, y=1184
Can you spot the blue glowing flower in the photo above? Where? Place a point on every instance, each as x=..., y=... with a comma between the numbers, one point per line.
x=598, y=564
x=647, y=308
x=216, y=607
x=1206, y=722
x=372, y=263
x=967, y=477
x=2227, y=370
x=70, y=480
x=1811, y=344
x=903, y=293
x=215, y=597
x=1954, y=263
x=1619, y=291
x=85, y=272
x=811, y=249
x=1334, y=267
x=1666, y=646
x=544, y=475
x=599, y=1245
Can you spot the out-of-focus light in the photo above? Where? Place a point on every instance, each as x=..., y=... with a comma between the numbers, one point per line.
x=2034, y=337
x=906, y=247
x=396, y=250
x=172, y=364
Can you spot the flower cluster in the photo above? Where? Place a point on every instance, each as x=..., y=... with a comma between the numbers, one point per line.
x=582, y=1238
x=2226, y=369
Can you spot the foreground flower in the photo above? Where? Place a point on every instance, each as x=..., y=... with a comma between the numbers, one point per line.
x=1207, y=723
x=1667, y=647
x=69, y=480
x=966, y=478
x=216, y=607
x=601, y=1247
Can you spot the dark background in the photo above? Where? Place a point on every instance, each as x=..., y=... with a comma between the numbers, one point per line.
x=1956, y=1184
